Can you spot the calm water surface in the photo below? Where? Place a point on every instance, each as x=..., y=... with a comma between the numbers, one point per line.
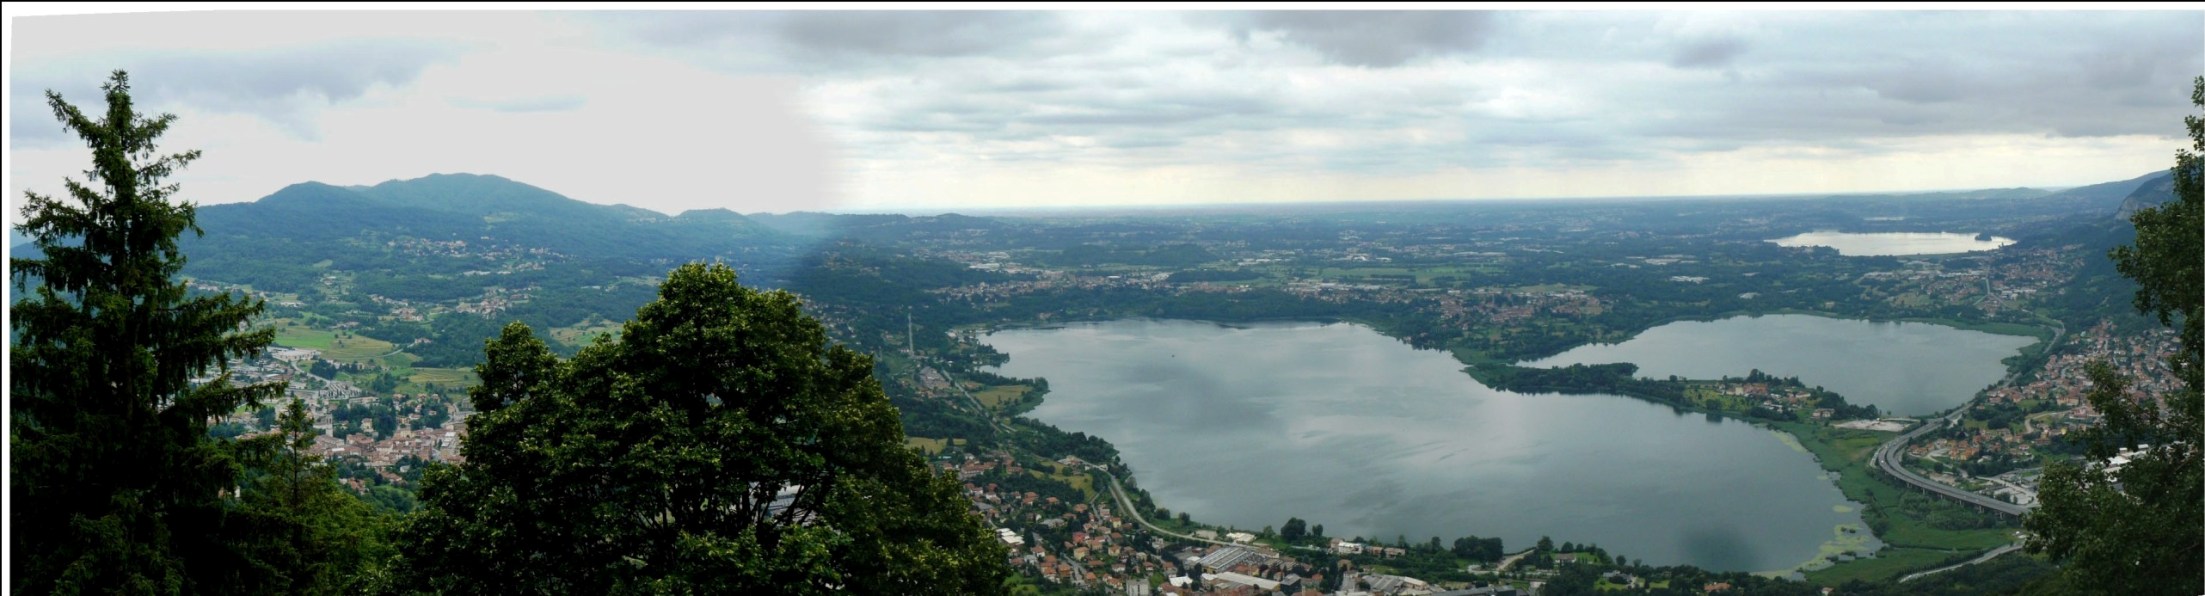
x=1894, y=243
x=1902, y=368
x=1344, y=427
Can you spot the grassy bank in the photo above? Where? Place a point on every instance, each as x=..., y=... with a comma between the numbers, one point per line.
x=335, y=346
x=1920, y=531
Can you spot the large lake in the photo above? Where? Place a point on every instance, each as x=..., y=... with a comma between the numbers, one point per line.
x=1344, y=427
x=1901, y=368
x=1879, y=244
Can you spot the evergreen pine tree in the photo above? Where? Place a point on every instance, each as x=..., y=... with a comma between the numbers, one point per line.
x=116, y=485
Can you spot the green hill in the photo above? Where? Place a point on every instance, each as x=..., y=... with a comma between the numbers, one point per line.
x=281, y=241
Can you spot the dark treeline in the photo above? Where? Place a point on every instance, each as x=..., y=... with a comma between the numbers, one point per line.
x=1618, y=379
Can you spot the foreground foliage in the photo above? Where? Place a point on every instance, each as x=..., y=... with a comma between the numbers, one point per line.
x=116, y=484
x=718, y=444
x=2137, y=530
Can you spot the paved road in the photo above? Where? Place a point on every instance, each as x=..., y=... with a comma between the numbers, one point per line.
x=977, y=408
x=1993, y=554
x=1887, y=459
x=1126, y=505
x=1512, y=559
x=1888, y=455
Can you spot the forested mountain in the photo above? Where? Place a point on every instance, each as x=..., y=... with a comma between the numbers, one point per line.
x=2107, y=290
x=2154, y=190
x=2106, y=196
x=281, y=242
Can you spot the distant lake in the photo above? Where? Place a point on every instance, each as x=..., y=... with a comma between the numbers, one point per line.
x=1344, y=427
x=1902, y=368
x=1880, y=244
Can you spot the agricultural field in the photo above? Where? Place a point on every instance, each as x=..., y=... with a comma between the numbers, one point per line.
x=336, y=346
x=583, y=333
x=996, y=398
x=931, y=446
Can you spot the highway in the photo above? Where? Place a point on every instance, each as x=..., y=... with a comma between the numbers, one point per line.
x=1888, y=455
x=1512, y=559
x=1887, y=459
x=1125, y=505
x=1993, y=554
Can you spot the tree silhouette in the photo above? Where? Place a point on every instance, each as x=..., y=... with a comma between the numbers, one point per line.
x=116, y=485
x=2137, y=530
x=719, y=444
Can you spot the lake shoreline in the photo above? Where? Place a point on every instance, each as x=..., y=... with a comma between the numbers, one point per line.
x=1910, y=368
x=1406, y=442
x=1894, y=244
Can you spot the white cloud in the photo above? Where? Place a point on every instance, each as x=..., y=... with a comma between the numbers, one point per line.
x=779, y=111
x=597, y=125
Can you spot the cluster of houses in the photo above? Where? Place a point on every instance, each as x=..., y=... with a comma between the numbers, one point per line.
x=2057, y=391
x=1781, y=400
x=1091, y=547
x=322, y=397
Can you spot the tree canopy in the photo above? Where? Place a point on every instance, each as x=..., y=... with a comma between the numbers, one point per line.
x=116, y=483
x=720, y=443
x=2137, y=529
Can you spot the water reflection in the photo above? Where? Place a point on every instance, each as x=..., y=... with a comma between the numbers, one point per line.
x=1876, y=244
x=1902, y=368
x=1341, y=426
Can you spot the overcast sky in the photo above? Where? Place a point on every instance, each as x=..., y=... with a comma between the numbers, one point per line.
x=857, y=111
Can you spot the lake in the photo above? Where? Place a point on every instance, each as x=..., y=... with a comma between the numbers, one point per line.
x=1880, y=244
x=1339, y=425
x=1902, y=368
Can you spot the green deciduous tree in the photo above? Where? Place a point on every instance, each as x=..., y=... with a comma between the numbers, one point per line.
x=718, y=444
x=2141, y=529
x=116, y=485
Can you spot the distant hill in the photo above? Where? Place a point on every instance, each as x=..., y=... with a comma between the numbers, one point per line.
x=2103, y=197
x=478, y=207
x=874, y=226
x=810, y=223
x=280, y=240
x=2098, y=290
x=2153, y=190
x=724, y=221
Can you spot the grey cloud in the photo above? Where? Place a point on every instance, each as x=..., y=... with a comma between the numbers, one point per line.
x=1094, y=107
x=283, y=85
x=1157, y=111
x=2144, y=63
x=1920, y=84
x=1142, y=141
x=337, y=72
x=1569, y=143
x=1025, y=84
x=30, y=124
x=1923, y=75
x=954, y=33
x=525, y=105
x=978, y=82
x=1375, y=38
x=1708, y=53
x=841, y=38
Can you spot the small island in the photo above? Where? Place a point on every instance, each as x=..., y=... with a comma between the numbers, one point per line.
x=1758, y=395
